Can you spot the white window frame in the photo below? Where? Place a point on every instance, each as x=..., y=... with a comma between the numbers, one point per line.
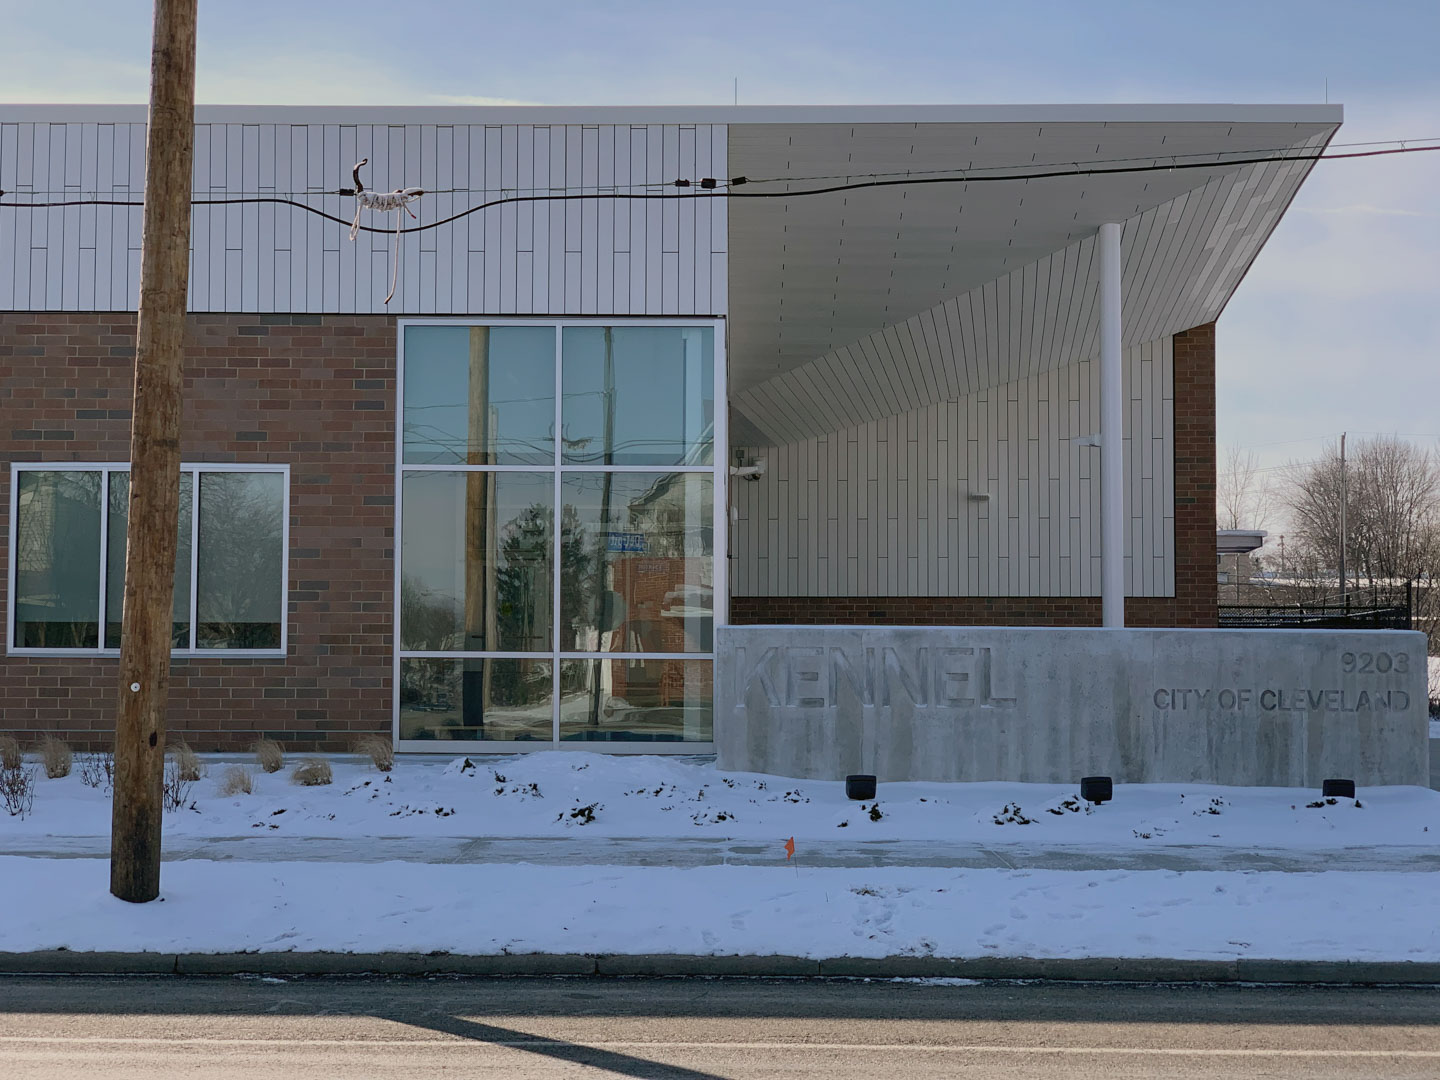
x=105, y=468
x=718, y=469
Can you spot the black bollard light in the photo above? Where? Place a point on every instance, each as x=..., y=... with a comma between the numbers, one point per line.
x=860, y=787
x=1338, y=789
x=1096, y=789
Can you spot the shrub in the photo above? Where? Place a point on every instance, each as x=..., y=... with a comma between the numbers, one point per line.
x=312, y=773
x=56, y=757
x=10, y=757
x=379, y=749
x=175, y=789
x=98, y=770
x=17, y=790
x=269, y=755
x=236, y=781
x=187, y=762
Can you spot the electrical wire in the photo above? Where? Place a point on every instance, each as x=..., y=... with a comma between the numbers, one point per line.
x=710, y=188
x=1154, y=158
x=310, y=193
x=649, y=185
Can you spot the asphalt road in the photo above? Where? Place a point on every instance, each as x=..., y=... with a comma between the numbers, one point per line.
x=158, y=1028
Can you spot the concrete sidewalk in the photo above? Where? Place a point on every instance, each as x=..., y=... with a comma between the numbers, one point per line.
x=692, y=852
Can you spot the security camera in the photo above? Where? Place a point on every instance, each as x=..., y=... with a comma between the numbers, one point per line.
x=752, y=472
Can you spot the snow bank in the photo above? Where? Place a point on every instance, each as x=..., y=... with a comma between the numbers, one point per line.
x=576, y=794
x=478, y=909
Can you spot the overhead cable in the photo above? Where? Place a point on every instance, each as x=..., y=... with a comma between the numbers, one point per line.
x=712, y=188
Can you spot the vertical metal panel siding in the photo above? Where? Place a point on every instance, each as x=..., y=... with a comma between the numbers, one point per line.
x=573, y=258
x=882, y=508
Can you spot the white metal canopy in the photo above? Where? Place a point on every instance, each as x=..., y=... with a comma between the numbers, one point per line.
x=851, y=306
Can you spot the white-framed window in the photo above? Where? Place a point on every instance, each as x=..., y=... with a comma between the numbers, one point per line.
x=560, y=532
x=68, y=525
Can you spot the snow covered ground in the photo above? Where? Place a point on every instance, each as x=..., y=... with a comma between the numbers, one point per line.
x=574, y=794
x=722, y=910
x=213, y=905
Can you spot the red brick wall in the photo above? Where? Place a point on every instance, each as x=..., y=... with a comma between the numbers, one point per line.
x=1195, y=594
x=316, y=392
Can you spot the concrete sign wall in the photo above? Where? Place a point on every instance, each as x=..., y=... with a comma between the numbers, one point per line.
x=1246, y=707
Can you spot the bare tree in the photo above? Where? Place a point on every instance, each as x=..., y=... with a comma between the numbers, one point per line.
x=1311, y=492
x=1392, y=505
x=1397, y=516
x=1392, y=510
x=1243, y=499
x=1299, y=575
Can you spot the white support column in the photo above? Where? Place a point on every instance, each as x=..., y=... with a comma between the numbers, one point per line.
x=1112, y=434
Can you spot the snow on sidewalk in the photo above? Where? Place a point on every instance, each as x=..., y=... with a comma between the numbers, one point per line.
x=812, y=911
x=581, y=795
x=817, y=913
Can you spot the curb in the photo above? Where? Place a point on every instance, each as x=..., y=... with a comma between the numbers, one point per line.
x=1082, y=969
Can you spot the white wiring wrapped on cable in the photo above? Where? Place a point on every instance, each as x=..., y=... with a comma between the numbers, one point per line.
x=384, y=201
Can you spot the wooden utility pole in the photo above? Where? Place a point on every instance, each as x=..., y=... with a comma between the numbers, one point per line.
x=145, y=635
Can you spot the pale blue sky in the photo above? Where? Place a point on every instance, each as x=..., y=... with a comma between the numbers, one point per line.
x=1336, y=327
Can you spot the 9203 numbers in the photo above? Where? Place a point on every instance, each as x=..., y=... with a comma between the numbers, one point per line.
x=1377, y=663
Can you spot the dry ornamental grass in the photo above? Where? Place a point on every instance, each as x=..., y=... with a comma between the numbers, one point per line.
x=175, y=789
x=10, y=756
x=378, y=749
x=17, y=790
x=269, y=755
x=237, y=781
x=187, y=762
x=312, y=773
x=98, y=770
x=56, y=757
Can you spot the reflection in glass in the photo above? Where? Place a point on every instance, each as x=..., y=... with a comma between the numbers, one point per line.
x=475, y=564
x=638, y=395
x=479, y=395
x=637, y=563
x=239, y=601
x=57, y=560
x=119, y=501
x=633, y=700
x=497, y=699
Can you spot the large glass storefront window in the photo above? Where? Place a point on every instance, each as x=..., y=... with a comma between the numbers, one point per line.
x=557, y=548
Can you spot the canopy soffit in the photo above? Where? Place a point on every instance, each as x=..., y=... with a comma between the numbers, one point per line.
x=848, y=306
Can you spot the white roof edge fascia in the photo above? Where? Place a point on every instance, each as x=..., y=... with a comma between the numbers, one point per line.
x=694, y=114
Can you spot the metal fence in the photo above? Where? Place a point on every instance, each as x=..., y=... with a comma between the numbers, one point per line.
x=1355, y=613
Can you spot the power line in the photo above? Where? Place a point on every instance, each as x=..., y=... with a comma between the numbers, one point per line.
x=510, y=189
x=711, y=188
x=1404, y=434
x=1155, y=158
x=1291, y=465
x=1286, y=442
x=308, y=193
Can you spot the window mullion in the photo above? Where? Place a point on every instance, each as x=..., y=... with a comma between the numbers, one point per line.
x=396, y=567
x=557, y=544
x=103, y=623
x=193, y=638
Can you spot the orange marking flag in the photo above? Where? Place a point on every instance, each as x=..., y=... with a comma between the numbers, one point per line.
x=789, y=848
